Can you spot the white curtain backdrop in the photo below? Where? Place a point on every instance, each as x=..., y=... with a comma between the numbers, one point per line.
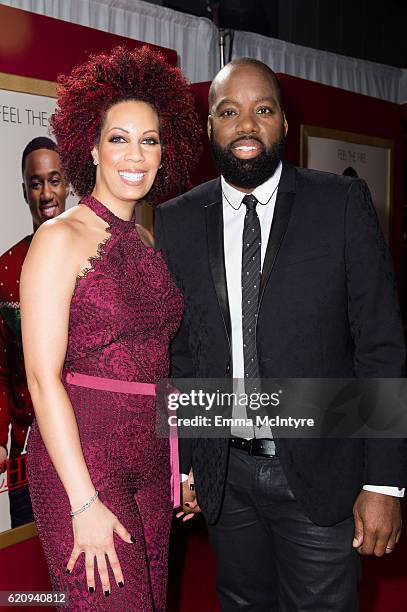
x=196, y=42
x=370, y=78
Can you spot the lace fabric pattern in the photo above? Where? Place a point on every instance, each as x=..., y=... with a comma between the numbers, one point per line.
x=124, y=311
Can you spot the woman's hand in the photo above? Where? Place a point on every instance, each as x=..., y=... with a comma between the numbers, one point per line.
x=189, y=502
x=93, y=535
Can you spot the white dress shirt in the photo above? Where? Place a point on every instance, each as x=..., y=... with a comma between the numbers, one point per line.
x=234, y=212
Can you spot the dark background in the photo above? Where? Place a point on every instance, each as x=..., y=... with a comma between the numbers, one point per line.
x=368, y=29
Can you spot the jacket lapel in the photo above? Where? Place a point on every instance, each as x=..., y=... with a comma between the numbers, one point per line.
x=214, y=233
x=282, y=212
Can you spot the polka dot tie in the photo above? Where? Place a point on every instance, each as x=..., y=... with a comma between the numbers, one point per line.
x=251, y=273
x=251, y=276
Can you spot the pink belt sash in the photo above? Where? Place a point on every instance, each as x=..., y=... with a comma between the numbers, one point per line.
x=134, y=388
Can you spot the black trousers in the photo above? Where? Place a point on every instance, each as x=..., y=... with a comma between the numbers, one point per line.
x=21, y=511
x=271, y=557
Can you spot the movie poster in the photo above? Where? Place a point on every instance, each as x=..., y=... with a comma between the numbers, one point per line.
x=356, y=155
x=25, y=108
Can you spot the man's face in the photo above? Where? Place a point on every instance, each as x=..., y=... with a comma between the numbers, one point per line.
x=246, y=127
x=44, y=186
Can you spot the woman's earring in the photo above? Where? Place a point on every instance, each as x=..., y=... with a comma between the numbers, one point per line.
x=160, y=166
x=95, y=163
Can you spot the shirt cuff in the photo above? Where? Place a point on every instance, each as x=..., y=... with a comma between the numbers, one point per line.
x=183, y=477
x=394, y=491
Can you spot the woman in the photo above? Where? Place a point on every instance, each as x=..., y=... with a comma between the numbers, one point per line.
x=98, y=312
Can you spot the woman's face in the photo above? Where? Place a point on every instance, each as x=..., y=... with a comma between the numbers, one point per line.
x=128, y=154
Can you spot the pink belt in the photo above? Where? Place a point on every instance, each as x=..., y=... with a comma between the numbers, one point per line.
x=134, y=388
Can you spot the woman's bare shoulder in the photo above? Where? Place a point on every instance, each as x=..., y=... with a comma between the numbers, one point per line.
x=67, y=227
x=58, y=243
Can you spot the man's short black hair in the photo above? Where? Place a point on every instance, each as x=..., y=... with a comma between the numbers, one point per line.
x=251, y=61
x=40, y=142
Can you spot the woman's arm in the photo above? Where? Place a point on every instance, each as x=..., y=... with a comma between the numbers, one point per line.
x=47, y=283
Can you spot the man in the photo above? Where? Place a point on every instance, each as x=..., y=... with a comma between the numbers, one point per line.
x=285, y=516
x=45, y=191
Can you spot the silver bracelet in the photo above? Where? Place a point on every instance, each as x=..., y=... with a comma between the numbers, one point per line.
x=85, y=506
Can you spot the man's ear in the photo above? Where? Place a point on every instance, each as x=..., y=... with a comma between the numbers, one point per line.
x=285, y=124
x=24, y=192
x=209, y=126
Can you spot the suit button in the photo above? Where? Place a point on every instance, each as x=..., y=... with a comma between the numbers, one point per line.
x=228, y=368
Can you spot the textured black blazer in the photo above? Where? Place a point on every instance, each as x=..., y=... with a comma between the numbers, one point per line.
x=328, y=308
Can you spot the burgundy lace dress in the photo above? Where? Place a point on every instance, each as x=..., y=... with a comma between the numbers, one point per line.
x=124, y=311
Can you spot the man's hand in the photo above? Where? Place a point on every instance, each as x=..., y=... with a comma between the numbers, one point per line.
x=189, y=503
x=3, y=457
x=377, y=523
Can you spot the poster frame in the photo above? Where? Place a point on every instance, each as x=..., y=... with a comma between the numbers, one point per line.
x=38, y=87
x=307, y=131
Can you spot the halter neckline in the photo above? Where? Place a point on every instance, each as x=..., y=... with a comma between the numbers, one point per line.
x=107, y=215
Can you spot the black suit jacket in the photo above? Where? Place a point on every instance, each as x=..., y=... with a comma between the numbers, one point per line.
x=328, y=308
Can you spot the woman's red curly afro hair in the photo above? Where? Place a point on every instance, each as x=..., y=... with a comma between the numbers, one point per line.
x=126, y=74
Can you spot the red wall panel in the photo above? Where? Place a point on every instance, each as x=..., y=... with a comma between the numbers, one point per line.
x=41, y=47
x=315, y=104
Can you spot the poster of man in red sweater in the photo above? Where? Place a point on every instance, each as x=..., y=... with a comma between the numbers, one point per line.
x=45, y=191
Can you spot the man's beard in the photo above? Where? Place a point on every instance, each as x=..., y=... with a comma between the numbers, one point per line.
x=247, y=173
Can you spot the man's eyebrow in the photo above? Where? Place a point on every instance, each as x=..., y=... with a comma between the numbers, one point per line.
x=39, y=177
x=226, y=101
x=266, y=99
x=256, y=101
